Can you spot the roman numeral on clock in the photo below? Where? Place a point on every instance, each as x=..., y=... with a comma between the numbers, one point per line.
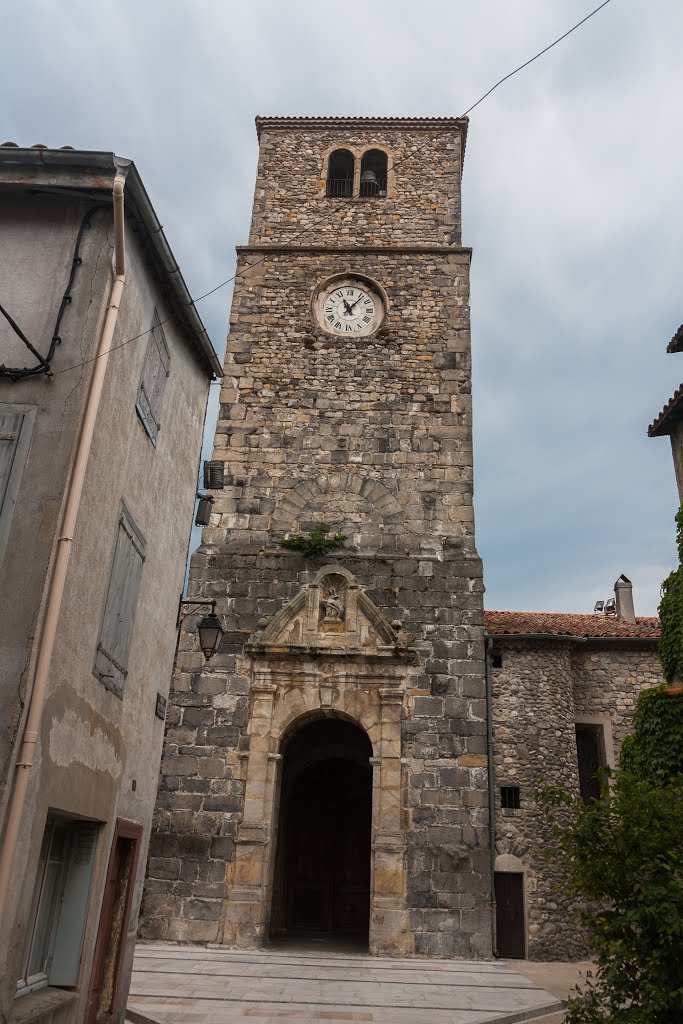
x=366, y=319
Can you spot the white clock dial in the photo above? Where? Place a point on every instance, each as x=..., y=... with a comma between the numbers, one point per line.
x=349, y=305
x=349, y=310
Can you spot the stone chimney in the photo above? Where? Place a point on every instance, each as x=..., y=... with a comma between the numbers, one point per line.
x=623, y=595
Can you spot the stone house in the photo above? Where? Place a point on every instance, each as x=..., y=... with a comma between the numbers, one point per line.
x=563, y=691
x=98, y=460
x=326, y=770
x=670, y=419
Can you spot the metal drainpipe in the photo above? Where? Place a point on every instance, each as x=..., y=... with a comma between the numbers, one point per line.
x=20, y=779
x=492, y=796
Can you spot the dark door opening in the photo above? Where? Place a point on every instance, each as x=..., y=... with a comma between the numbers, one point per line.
x=113, y=926
x=509, y=889
x=322, y=873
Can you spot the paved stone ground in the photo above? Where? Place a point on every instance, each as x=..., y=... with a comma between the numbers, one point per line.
x=199, y=985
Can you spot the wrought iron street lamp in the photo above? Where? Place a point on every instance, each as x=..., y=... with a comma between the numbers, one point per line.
x=209, y=628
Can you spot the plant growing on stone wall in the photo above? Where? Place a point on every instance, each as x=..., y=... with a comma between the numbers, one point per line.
x=671, y=613
x=622, y=857
x=316, y=542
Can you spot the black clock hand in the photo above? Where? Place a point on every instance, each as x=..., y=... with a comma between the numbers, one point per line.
x=356, y=302
x=349, y=309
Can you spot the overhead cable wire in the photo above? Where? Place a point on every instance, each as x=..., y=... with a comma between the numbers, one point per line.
x=342, y=206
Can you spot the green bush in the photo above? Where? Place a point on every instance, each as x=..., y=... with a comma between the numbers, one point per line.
x=622, y=855
x=316, y=542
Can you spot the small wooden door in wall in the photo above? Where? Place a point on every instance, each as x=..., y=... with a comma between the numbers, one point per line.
x=113, y=926
x=510, y=931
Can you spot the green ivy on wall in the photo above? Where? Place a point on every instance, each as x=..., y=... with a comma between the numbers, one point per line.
x=671, y=613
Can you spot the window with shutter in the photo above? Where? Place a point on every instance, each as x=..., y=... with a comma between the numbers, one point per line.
x=111, y=659
x=154, y=374
x=16, y=424
x=54, y=941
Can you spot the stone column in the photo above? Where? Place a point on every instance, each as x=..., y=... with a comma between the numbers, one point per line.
x=389, y=934
x=246, y=905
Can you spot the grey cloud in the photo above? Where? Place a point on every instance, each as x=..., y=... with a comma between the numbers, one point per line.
x=571, y=201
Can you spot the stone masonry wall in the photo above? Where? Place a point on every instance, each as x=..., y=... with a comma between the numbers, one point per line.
x=534, y=745
x=444, y=795
x=290, y=188
x=607, y=683
x=542, y=689
x=297, y=404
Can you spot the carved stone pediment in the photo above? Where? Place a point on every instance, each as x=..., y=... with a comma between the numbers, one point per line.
x=332, y=616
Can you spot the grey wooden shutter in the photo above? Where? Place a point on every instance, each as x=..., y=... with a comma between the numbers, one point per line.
x=10, y=430
x=16, y=423
x=153, y=382
x=111, y=659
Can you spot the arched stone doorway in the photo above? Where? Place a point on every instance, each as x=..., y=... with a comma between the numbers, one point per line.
x=316, y=661
x=321, y=882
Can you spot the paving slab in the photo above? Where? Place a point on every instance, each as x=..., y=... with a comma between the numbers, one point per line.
x=174, y=984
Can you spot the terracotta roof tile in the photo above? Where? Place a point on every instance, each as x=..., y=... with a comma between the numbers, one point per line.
x=672, y=411
x=564, y=624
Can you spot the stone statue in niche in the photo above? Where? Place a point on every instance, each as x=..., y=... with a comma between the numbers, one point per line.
x=332, y=608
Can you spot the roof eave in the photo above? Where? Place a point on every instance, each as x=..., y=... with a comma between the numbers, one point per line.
x=426, y=124
x=669, y=417
x=93, y=171
x=185, y=304
x=639, y=641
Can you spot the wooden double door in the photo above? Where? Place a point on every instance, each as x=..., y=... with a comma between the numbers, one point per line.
x=327, y=859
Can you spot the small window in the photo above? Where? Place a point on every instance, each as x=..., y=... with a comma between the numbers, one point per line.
x=373, y=173
x=111, y=660
x=590, y=751
x=340, y=173
x=52, y=952
x=16, y=424
x=509, y=797
x=496, y=660
x=153, y=381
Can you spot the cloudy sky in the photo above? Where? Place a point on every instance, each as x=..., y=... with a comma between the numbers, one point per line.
x=572, y=203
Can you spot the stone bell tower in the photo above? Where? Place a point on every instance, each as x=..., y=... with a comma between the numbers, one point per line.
x=325, y=772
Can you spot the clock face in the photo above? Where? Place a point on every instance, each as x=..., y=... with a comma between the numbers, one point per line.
x=349, y=308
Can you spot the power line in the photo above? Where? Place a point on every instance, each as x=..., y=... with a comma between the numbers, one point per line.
x=537, y=55
x=331, y=213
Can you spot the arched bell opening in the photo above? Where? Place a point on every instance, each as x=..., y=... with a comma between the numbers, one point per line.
x=340, y=172
x=373, y=173
x=321, y=879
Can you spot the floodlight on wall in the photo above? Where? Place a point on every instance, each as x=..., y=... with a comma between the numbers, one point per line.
x=203, y=513
x=209, y=627
x=599, y=606
x=611, y=607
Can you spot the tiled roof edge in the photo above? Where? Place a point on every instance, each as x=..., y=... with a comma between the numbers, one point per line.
x=676, y=343
x=661, y=425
